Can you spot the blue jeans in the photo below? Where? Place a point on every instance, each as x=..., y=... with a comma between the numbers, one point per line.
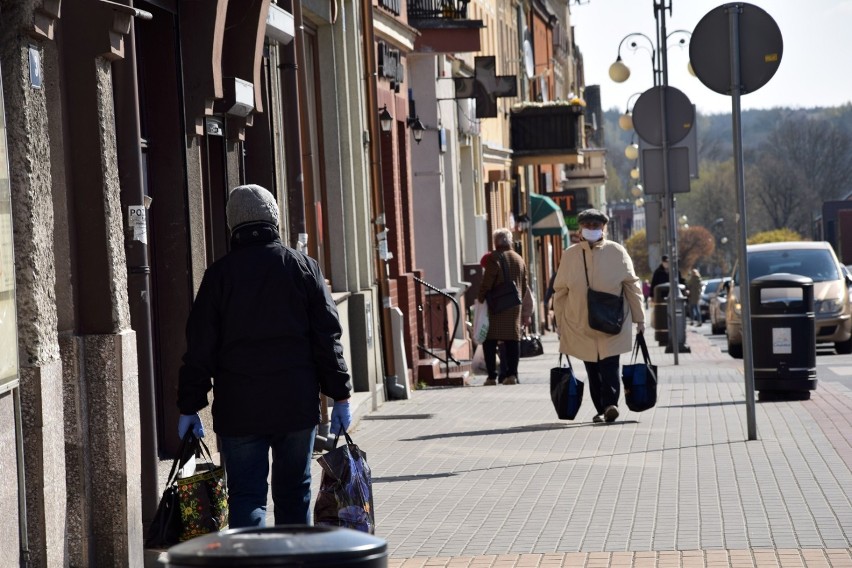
x=246, y=460
x=695, y=313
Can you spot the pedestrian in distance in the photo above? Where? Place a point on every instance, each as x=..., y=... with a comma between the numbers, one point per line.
x=693, y=286
x=610, y=270
x=646, y=291
x=661, y=274
x=264, y=335
x=504, y=326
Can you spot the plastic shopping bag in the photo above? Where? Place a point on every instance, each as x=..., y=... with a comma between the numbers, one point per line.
x=480, y=321
x=345, y=497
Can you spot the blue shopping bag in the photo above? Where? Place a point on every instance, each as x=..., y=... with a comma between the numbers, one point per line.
x=566, y=390
x=640, y=379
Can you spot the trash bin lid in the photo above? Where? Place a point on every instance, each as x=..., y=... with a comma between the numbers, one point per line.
x=284, y=545
x=779, y=279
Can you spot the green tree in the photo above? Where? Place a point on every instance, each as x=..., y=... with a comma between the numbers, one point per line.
x=774, y=236
x=637, y=248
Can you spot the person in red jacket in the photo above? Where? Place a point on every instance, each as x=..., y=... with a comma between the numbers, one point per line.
x=264, y=335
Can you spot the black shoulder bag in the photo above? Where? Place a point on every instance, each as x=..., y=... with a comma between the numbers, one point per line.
x=606, y=311
x=504, y=295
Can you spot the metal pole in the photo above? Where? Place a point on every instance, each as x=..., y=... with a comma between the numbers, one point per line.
x=674, y=291
x=734, y=11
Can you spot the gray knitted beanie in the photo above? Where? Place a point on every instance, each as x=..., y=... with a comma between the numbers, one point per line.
x=251, y=204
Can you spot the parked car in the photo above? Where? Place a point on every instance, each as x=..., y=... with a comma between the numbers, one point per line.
x=817, y=261
x=717, y=307
x=710, y=289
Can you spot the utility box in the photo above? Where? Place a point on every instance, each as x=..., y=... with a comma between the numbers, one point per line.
x=284, y=546
x=783, y=330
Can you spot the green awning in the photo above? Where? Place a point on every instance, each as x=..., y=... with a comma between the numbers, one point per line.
x=546, y=217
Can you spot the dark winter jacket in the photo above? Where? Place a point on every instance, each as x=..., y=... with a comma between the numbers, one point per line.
x=264, y=334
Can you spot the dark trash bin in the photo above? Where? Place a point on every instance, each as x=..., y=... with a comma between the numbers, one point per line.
x=282, y=546
x=783, y=331
x=660, y=313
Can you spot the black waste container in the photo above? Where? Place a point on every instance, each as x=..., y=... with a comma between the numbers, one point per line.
x=285, y=545
x=783, y=331
x=660, y=313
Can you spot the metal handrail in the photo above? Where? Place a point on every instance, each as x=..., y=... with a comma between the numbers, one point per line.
x=437, y=9
x=448, y=338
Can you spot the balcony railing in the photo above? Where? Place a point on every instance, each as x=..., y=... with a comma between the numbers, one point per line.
x=437, y=9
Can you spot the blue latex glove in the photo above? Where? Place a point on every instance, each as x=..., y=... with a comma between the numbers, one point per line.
x=341, y=417
x=188, y=422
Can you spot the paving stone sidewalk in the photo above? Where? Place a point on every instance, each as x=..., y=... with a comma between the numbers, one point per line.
x=487, y=476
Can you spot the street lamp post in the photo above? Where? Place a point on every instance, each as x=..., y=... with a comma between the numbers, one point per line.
x=619, y=72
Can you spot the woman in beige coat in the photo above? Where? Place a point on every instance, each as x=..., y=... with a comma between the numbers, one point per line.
x=610, y=270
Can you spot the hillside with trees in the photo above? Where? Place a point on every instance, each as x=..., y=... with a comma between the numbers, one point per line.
x=795, y=159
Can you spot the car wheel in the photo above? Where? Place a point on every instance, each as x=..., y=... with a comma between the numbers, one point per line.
x=735, y=350
x=843, y=347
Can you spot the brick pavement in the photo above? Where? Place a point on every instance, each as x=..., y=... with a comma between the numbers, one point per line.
x=487, y=476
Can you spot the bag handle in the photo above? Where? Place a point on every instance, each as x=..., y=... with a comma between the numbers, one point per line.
x=638, y=345
x=180, y=460
x=567, y=358
x=345, y=435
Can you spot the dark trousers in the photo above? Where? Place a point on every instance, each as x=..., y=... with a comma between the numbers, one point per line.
x=510, y=353
x=604, y=385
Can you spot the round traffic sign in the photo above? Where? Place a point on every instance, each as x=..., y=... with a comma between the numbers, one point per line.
x=759, y=50
x=680, y=114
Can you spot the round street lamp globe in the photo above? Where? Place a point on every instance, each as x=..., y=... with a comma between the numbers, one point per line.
x=632, y=151
x=618, y=71
x=634, y=173
x=636, y=191
x=625, y=121
x=639, y=202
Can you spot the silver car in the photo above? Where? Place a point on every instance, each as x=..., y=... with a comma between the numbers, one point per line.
x=815, y=260
x=718, y=302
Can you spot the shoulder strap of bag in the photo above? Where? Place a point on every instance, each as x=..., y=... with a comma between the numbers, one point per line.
x=502, y=262
x=567, y=358
x=586, y=271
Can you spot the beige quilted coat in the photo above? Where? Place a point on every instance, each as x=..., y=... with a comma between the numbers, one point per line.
x=610, y=270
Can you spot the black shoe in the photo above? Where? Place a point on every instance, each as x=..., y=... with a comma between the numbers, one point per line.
x=598, y=418
x=611, y=413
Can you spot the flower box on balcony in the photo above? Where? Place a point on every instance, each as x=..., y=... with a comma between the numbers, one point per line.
x=545, y=130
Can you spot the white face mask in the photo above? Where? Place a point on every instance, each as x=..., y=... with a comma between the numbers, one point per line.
x=592, y=235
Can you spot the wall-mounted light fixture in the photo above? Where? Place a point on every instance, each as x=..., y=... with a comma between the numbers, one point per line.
x=385, y=119
x=417, y=128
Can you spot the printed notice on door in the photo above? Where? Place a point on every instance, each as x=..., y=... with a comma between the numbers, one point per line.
x=782, y=340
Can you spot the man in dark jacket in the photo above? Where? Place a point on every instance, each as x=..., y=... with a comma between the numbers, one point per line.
x=264, y=334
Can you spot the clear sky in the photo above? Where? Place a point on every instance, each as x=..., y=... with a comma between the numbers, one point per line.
x=815, y=69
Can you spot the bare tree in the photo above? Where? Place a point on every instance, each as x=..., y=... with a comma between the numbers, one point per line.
x=804, y=161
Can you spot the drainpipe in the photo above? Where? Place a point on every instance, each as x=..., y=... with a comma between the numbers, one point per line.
x=138, y=269
x=374, y=130
x=291, y=56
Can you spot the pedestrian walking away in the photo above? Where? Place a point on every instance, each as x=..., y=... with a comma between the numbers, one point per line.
x=505, y=325
x=264, y=335
x=693, y=286
x=609, y=269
